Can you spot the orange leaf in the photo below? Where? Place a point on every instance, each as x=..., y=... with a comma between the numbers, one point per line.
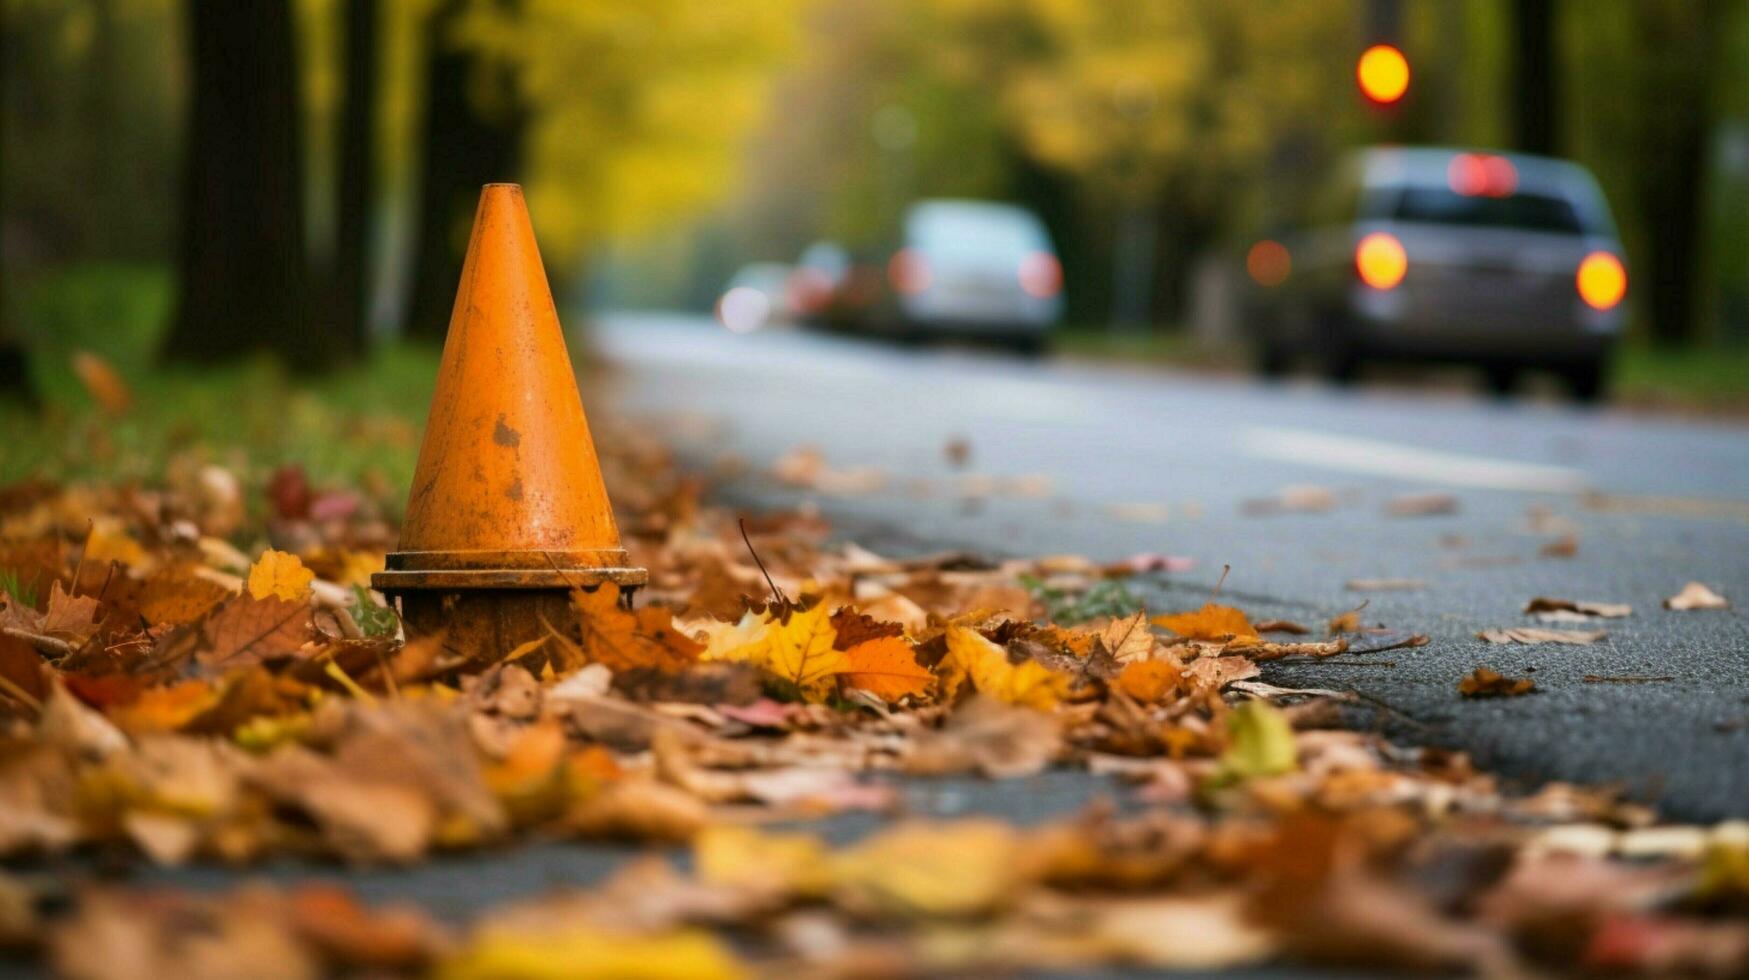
x=1211, y=622
x=887, y=668
x=164, y=709
x=102, y=382
x=174, y=596
x=622, y=640
x=1149, y=681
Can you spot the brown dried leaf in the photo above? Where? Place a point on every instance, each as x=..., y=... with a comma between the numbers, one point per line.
x=1531, y=635
x=248, y=630
x=1486, y=683
x=1696, y=595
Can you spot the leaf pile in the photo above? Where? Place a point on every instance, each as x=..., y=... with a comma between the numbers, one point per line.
x=179, y=683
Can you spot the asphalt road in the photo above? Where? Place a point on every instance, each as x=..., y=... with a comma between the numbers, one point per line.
x=1108, y=462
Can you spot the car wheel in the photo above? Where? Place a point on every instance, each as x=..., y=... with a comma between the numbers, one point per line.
x=1027, y=344
x=1586, y=382
x=1341, y=355
x=1271, y=358
x=1500, y=379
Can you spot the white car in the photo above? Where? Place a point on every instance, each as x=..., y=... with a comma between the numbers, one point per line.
x=973, y=269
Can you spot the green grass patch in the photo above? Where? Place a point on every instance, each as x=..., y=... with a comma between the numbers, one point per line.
x=1714, y=379
x=358, y=426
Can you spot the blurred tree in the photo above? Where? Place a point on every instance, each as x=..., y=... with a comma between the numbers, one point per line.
x=1535, y=67
x=618, y=115
x=1647, y=91
x=243, y=280
x=474, y=121
x=357, y=177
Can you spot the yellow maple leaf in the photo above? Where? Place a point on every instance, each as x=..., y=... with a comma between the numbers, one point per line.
x=1212, y=622
x=279, y=574
x=886, y=667
x=971, y=656
x=801, y=652
x=1129, y=638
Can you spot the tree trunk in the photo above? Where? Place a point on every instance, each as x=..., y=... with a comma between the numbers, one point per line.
x=243, y=276
x=474, y=122
x=352, y=279
x=1672, y=171
x=1535, y=70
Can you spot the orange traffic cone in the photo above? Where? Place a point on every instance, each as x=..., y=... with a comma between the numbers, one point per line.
x=508, y=513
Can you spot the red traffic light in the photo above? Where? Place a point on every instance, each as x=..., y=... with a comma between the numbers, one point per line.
x=1383, y=73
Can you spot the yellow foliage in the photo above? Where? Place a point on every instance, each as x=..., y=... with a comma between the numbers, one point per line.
x=581, y=952
x=799, y=651
x=741, y=857
x=965, y=868
x=280, y=575
x=972, y=657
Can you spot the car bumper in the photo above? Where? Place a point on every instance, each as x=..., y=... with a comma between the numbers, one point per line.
x=1481, y=326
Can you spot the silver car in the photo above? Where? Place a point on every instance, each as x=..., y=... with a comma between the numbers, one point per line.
x=975, y=269
x=1506, y=261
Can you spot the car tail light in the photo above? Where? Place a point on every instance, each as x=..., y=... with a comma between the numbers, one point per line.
x=1041, y=275
x=908, y=272
x=1601, y=280
x=1380, y=260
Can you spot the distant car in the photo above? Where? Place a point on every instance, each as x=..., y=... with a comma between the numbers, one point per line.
x=817, y=285
x=757, y=295
x=974, y=269
x=1507, y=261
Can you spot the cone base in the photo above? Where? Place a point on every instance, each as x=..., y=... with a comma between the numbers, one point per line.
x=409, y=570
x=483, y=626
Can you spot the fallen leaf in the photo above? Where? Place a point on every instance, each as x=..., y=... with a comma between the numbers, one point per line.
x=177, y=595
x=102, y=382
x=886, y=667
x=1696, y=595
x=1283, y=626
x=69, y=617
x=1129, y=638
x=1386, y=585
x=1260, y=742
x=973, y=657
x=1486, y=683
x=1213, y=622
x=247, y=629
x=1421, y=505
x=281, y=575
x=987, y=736
x=800, y=652
x=1531, y=635
x=585, y=951
x=1149, y=681
x=928, y=870
x=852, y=627
x=1542, y=607
x=623, y=640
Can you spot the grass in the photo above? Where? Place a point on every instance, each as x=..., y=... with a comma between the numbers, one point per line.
x=1709, y=380
x=358, y=426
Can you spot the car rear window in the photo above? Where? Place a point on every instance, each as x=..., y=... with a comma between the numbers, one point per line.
x=1528, y=212
x=973, y=231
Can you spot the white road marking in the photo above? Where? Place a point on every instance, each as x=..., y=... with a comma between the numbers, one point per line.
x=1372, y=456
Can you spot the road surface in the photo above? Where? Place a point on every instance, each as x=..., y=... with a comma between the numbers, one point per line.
x=1108, y=462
